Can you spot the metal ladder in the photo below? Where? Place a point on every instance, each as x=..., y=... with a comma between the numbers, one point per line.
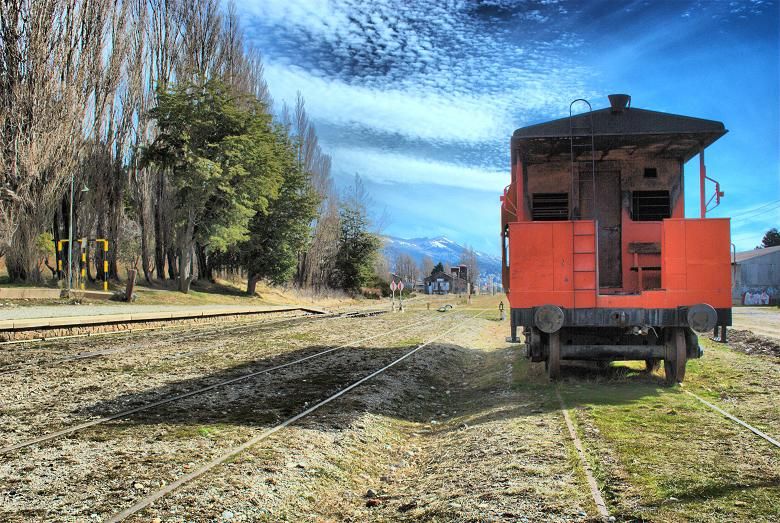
x=581, y=141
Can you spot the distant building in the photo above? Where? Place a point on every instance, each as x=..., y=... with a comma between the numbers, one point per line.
x=460, y=271
x=443, y=283
x=756, y=277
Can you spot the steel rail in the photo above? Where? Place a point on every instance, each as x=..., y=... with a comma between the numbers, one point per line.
x=14, y=368
x=145, y=502
x=735, y=419
x=598, y=499
x=104, y=419
x=174, y=325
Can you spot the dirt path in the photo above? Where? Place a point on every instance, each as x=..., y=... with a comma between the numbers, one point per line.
x=450, y=435
x=97, y=470
x=764, y=321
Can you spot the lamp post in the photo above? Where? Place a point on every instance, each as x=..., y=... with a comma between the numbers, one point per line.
x=70, y=232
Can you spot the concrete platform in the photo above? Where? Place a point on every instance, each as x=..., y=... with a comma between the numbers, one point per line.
x=29, y=293
x=69, y=315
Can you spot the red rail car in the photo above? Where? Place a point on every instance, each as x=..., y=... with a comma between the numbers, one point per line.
x=599, y=261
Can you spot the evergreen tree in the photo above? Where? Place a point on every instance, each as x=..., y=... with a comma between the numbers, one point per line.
x=279, y=235
x=439, y=267
x=358, y=247
x=771, y=238
x=224, y=160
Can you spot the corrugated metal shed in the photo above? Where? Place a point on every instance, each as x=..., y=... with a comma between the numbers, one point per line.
x=755, y=253
x=757, y=272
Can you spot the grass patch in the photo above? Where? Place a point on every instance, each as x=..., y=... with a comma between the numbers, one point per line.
x=660, y=455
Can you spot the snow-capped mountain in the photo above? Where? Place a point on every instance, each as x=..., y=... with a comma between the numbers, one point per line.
x=440, y=249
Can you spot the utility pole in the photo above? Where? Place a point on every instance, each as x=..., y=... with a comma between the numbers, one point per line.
x=70, y=236
x=70, y=232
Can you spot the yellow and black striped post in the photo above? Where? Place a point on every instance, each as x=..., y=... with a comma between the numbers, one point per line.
x=105, y=262
x=59, y=257
x=83, y=243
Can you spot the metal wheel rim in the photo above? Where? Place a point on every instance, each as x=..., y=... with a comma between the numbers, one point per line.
x=676, y=357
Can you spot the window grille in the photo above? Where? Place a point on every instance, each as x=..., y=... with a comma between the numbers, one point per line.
x=650, y=206
x=550, y=207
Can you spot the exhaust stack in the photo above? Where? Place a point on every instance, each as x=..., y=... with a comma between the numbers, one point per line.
x=619, y=102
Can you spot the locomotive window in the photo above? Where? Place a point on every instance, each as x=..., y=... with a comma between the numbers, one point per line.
x=650, y=206
x=550, y=207
x=651, y=172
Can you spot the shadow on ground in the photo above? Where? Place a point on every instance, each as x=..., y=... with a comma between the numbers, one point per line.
x=412, y=391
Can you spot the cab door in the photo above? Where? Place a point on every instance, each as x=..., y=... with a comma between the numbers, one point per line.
x=608, y=216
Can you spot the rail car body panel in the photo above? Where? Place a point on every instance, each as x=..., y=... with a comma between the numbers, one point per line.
x=599, y=259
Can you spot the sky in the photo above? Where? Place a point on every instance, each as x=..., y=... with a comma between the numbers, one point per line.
x=420, y=97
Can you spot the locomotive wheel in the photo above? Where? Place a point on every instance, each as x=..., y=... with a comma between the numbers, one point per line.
x=676, y=357
x=553, y=363
x=652, y=365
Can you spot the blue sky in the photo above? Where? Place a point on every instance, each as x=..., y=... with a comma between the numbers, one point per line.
x=421, y=96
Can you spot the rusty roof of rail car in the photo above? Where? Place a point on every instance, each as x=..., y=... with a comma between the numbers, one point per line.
x=621, y=133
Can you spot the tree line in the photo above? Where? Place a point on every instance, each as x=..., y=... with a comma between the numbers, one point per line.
x=159, y=108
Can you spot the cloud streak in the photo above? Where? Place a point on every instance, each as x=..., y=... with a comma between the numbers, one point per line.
x=389, y=168
x=412, y=113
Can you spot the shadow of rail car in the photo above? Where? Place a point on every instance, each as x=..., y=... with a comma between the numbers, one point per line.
x=412, y=391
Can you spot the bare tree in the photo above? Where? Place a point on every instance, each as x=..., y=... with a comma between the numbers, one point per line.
x=201, y=28
x=78, y=80
x=469, y=258
x=406, y=268
x=427, y=266
x=45, y=47
x=164, y=37
x=317, y=263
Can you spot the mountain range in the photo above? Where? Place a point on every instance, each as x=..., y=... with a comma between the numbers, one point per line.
x=440, y=249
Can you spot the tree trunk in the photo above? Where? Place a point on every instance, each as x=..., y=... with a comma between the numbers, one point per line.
x=114, y=218
x=300, y=274
x=173, y=273
x=20, y=258
x=186, y=248
x=159, y=232
x=204, y=270
x=184, y=277
x=251, y=284
x=58, y=256
x=144, y=243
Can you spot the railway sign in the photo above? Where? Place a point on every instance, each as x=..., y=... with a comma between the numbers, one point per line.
x=400, y=286
x=393, y=286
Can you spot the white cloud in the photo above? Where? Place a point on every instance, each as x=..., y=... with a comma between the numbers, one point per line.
x=416, y=114
x=390, y=168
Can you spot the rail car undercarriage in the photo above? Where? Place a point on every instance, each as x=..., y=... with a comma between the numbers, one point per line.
x=551, y=335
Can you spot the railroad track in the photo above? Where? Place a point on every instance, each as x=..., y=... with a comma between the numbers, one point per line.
x=177, y=397
x=596, y=494
x=228, y=455
x=220, y=328
x=174, y=325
